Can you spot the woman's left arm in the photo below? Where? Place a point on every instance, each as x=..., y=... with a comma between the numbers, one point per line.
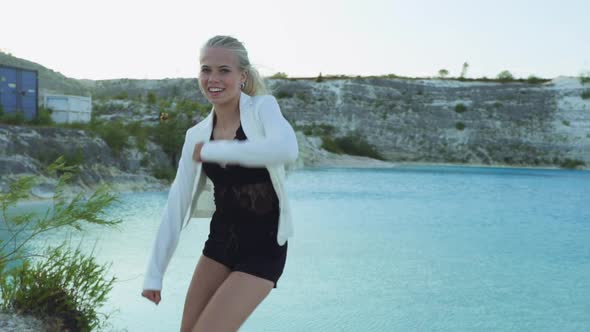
x=278, y=146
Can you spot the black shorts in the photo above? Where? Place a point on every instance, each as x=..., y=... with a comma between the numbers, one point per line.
x=247, y=243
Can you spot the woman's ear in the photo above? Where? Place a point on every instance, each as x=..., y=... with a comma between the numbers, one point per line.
x=244, y=77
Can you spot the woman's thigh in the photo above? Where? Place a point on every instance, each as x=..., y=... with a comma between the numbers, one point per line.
x=233, y=302
x=207, y=278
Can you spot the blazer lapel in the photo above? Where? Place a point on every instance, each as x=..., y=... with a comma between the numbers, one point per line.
x=246, y=114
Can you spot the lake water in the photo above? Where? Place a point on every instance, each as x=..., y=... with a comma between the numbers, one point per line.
x=403, y=249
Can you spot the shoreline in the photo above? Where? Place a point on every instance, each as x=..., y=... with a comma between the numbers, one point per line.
x=348, y=162
x=365, y=162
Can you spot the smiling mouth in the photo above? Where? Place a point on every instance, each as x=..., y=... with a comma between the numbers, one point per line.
x=215, y=90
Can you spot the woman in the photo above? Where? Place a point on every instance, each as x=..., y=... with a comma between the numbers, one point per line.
x=241, y=147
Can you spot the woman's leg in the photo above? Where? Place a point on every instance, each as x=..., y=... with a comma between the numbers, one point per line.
x=233, y=302
x=208, y=276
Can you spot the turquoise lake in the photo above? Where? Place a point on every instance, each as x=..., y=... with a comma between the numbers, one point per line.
x=421, y=248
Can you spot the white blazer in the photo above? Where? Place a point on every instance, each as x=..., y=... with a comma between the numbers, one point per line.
x=271, y=143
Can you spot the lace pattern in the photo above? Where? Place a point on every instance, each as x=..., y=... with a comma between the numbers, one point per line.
x=257, y=198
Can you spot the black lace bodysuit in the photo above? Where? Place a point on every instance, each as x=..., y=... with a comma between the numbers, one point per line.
x=243, y=230
x=241, y=191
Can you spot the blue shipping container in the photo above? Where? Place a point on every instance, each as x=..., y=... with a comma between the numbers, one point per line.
x=19, y=89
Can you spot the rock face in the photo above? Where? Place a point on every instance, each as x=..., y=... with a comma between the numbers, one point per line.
x=28, y=150
x=450, y=121
x=432, y=121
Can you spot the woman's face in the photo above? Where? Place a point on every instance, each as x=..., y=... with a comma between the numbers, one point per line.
x=220, y=76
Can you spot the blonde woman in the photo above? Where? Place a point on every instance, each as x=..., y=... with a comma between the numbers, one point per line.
x=241, y=147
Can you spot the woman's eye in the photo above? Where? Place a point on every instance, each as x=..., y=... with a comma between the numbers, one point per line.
x=204, y=70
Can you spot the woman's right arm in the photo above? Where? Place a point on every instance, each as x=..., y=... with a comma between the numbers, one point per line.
x=179, y=200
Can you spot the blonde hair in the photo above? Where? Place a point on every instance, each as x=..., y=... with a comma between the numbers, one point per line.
x=254, y=84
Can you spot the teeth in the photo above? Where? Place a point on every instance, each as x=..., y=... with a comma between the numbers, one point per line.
x=215, y=89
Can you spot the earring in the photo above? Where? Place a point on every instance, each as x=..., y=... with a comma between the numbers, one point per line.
x=242, y=85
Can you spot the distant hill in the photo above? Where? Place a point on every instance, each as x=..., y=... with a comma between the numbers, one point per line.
x=49, y=80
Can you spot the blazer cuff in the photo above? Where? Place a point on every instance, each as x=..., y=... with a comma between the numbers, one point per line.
x=152, y=283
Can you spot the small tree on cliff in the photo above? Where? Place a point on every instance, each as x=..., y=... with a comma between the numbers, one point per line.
x=464, y=70
x=505, y=76
x=443, y=73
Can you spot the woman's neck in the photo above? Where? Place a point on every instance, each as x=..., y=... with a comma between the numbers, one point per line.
x=227, y=114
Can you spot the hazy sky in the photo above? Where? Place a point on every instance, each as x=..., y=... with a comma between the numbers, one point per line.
x=104, y=39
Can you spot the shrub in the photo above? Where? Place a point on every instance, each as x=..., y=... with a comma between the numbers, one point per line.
x=140, y=133
x=16, y=118
x=460, y=108
x=505, y=76
x=351, y=144
x=585, y=94
x=122, y=95
x=565, y=123
x=67, y=285
x=164, y=173
x=318, y=130
x=114, y=134
x=151, y=98
x=43, y=117
x=532, y=79
x=330, y=144
x=61, y=283
x=170, y=134
x=319, y=79
x=280, y=75
x=284, y=94
x=572, y=163
x=460, y=125
x=585, y=77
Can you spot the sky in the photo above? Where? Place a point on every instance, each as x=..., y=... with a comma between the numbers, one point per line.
x=156, y=39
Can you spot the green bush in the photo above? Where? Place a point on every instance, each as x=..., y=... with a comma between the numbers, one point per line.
x=279, y=75
x=122, y=95
x=15, y=118
x=586, y=94
x=460, y=125
x=140, y=133
x=164, y=173
x=351, y=144
x=115, y=134
x=60, y=283
x=330, y=144
x=67, y=285
x=284, y=94
x=151, y=98
x=460, y=108
x=572, y=163
x=318, y=130
x=74, y=158
x=170, y=135
x=505, y=76
x=585, y=77
x=532, y=79
x=43, y=117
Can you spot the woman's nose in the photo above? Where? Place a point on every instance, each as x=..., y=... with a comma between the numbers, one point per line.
x=213, y=77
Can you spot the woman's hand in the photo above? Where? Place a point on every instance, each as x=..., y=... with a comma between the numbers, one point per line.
x=152, y=295
x=197, y=152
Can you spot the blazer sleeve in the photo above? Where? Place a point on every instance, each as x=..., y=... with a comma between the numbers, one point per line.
x=279, y=145
x=179, y=200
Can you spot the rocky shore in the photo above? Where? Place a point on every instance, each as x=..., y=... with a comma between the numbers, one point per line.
x=12, y=322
